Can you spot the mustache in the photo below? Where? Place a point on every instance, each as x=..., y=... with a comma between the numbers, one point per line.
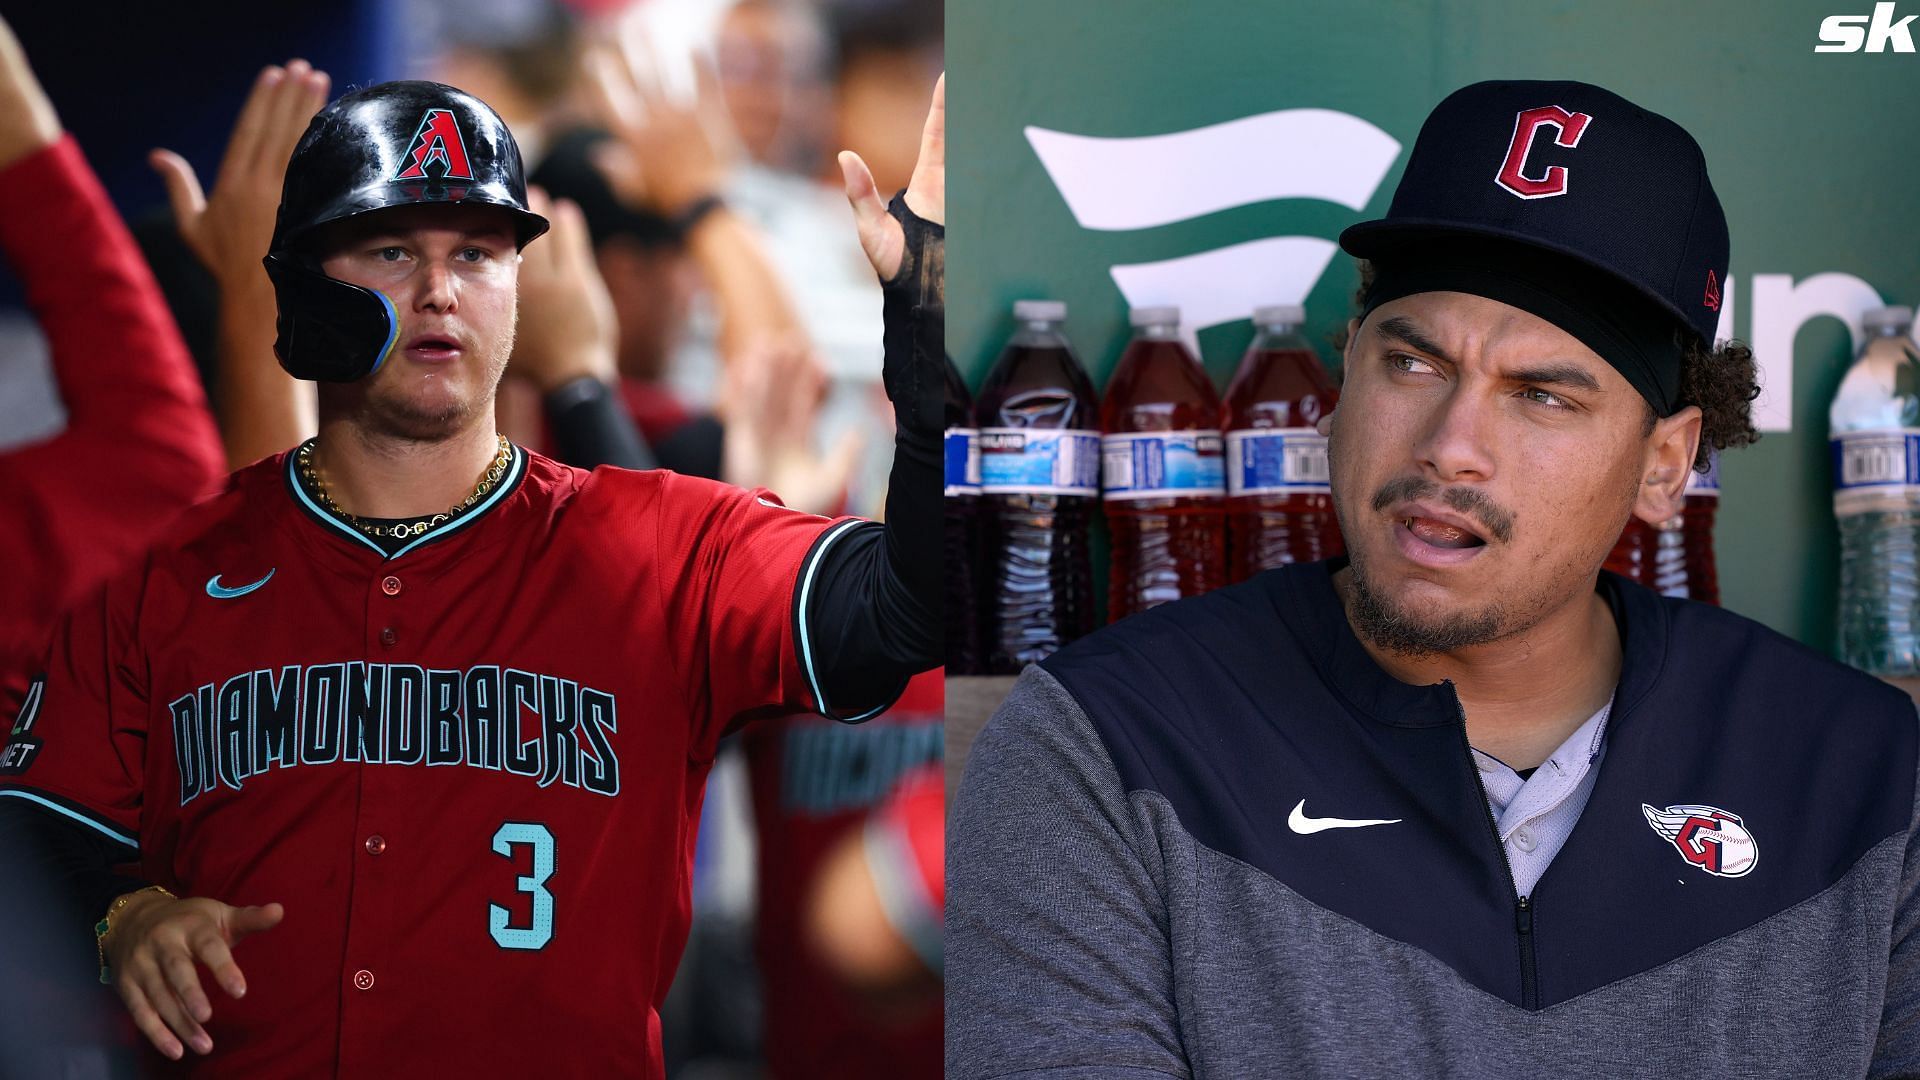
x=1465, y=500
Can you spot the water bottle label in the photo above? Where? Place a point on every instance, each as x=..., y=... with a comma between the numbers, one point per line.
x=1039, y=461
x=1707, y=485
x=1160, y=464
x=1876, y=464
x=1277, y=461
x=963, y=461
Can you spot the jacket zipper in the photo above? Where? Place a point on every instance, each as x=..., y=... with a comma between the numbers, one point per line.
x=1522, y=906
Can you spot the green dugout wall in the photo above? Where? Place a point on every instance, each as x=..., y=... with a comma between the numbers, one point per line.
x=1816, y=158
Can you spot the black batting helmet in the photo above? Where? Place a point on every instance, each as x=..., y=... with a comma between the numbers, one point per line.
x=394, y=144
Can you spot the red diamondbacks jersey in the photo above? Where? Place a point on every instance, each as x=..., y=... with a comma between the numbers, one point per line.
x=472, y=772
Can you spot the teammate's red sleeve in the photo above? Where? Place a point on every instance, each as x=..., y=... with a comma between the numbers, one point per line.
x=740, y=570
x=140, y=443
x=78, y=746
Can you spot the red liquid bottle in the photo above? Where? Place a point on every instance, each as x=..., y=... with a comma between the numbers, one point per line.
x=1039, y=447
x=1279, y=502
x=1161, y=470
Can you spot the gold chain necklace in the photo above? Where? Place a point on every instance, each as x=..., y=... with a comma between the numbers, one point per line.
x=401, y=530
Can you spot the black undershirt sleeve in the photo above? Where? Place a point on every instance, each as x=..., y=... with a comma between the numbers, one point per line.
x=591, y=428
x=875, y=616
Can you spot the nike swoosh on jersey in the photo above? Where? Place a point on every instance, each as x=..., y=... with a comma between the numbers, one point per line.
x=222, y=592
x=1299, y=822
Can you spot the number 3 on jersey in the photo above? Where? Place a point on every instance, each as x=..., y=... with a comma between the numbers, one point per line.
x=534, y=884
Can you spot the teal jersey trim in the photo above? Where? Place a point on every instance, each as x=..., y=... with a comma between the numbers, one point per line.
x=515, y=469
x=806, y=638
x=511, y=479
x=105, y=830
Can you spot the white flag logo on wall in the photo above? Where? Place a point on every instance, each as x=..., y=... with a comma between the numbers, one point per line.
x=1113, y=184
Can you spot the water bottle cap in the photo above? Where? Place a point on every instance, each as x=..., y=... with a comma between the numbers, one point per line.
x=1891, y=317
x=1158, y=315
x=1040, y=310
x=1272, y=314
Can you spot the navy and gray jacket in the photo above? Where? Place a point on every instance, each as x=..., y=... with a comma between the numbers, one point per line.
x=1127, y=898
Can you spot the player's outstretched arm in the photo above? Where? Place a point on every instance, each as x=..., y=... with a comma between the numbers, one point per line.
x=155, y=948
x=139, y=443
x=867, y=596
x=263, y=410
x=877, y=605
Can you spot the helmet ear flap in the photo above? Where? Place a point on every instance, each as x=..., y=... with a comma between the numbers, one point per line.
x=328, y=330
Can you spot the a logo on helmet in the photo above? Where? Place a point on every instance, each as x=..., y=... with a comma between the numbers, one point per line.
x=438, y=138
x=1567, y=129
x=1708, y=837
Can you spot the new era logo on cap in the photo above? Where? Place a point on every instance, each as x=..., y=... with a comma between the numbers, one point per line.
x=1569, y=168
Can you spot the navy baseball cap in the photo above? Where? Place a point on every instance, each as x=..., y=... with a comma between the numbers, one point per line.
x=1570, y=169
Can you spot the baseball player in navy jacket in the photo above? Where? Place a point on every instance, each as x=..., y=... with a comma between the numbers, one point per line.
x=1462, y=804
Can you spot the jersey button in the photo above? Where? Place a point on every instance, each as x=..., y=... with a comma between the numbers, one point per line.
x=363, y=979
x=390, y=585
x=1524, y=840
x=376, y=844
x=388, y=637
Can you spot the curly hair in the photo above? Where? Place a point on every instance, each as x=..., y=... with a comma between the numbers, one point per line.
x=1721, y=381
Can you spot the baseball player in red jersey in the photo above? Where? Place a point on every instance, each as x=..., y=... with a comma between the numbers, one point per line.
x=422, y=718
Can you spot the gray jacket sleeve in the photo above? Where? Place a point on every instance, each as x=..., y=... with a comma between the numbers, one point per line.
x=1058, y=956
x=1897, y=1052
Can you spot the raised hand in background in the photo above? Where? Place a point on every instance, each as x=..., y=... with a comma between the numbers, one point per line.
x=566, y=327
x=27, y=119
x=262, y=410
x=673, y=157
x=770, y=404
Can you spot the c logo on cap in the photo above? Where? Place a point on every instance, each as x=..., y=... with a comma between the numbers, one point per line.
x=1568, y=127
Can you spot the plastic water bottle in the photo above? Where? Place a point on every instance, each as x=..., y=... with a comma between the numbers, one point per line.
x=1675, y=557
x=1653, y=555
x=1875, y=436
x=962, y=529
x=1703, y=498
x=1279, y=502
x=1039, y=447
x=1162, y=470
